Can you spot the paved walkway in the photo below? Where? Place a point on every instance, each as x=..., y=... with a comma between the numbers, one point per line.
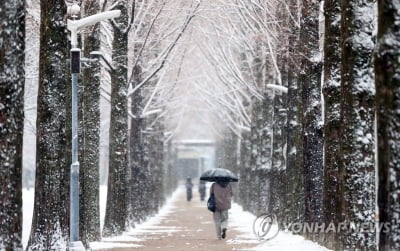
x=181, y=225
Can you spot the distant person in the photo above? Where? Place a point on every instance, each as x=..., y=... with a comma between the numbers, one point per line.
x=189, y=186
x=202, y=189
x=222, y=191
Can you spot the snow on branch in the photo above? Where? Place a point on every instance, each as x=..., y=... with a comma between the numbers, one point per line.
x=167, y=53
x=278, y=88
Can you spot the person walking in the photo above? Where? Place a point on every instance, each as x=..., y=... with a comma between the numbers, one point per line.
x=202, y=189
x=189, y=186
x=222, y=191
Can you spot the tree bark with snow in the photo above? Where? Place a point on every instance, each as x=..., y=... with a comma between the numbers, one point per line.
x=12, y=80
x=309, y=82
x=278, y=158
x=357, y=120
x=294, y=174
x=252, y=186
x=50, y=223
x=387, y=82
x=146, y=184
x=171, y=177
x=116, y=209
x=136, y=151
x=245, y=174
x=90, y=135
x=155, y=163
x=265, y=197
x=255, y=156
x=331, y=92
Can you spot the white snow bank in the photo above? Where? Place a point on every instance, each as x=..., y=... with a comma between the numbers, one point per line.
x=243, y=222
x=288, y=241
x=167, y=209
x=28, y=199
x=148, y=226
x=239, y=220
x=103, y=202
x=110, y=245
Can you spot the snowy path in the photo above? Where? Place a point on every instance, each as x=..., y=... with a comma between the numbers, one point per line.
x=183, y=225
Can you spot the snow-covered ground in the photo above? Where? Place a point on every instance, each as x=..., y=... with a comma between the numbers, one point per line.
x=121, y=241
x=238, y=219
x=28, y=200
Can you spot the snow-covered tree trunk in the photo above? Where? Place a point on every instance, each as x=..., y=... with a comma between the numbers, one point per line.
x=266, y=130
x=221, y=150
x=279, y=132
x=151, y=171
x=50, y=226
x=265, y=193
x=154, y=184
x=158, y=185
x=145, y=179
x=136, y=150
x=357, y=120
x=170, y=171
x=229, y=156
x=387, y=82
x=12, y=80
x=255, y=134
x=90, y=136
x=240, y=188
x=160, y=129
x=229, y=151
x=294, y=174
x=255, y=157
x=245, y=174
x=172, y=168
x=259, y=162
x=269, y=184
x=116, y=210
x=310, y=83
x=260, y=135
x=278, y=161
x=331, y=92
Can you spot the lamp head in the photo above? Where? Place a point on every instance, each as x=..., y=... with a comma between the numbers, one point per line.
x=74, y=10
x=96, y=54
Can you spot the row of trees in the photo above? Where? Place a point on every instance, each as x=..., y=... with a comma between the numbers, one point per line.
x=141, y=169
x=308, y=152
x=298, y=157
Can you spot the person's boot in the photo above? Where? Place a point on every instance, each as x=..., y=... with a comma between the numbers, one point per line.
x=223, y=233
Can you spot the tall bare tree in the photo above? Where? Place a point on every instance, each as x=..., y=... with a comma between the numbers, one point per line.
x=50, y=224
x=331, y=91
x=387, y=82
x=310, y=113
x=12, y=80
x=294, y=174
x=357, y=120
x=90, y=134
x=136, y=152
x=116, y=209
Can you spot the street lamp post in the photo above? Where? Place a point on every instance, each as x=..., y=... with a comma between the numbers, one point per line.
x=75, y=27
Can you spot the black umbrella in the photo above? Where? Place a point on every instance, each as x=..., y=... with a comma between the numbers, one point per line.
x=219, y=174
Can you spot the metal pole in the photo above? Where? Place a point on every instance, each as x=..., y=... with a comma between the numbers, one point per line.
x=74, y=26
x=75, y=244
x=75, y=164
